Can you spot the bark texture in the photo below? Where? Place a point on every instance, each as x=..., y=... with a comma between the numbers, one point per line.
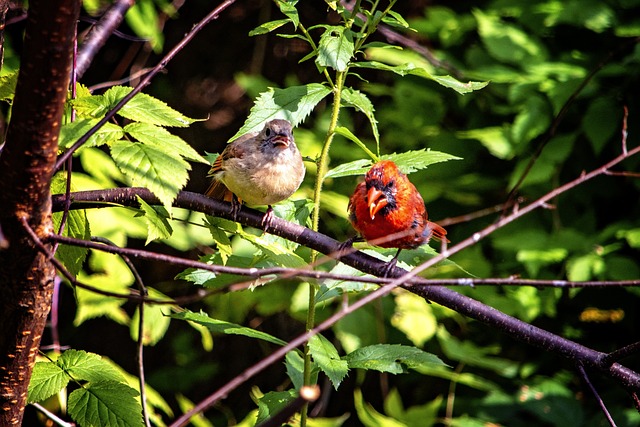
x=26, y=167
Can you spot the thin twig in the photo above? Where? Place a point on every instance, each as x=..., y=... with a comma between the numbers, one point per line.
x=621, y=353
x=145, y=81
x=551, y=131
x=100, y=32
x=585, y=377
x=53, y=417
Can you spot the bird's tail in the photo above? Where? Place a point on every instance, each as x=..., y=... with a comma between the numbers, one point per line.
x=437, y=232
x=217, y=190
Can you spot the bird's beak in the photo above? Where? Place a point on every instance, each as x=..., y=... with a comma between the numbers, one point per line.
x=282, y=140
x=376, y=201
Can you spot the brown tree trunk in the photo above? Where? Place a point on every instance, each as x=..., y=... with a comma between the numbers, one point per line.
x=26, y=167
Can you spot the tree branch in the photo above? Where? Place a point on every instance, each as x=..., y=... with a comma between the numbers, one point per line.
x=26, y=168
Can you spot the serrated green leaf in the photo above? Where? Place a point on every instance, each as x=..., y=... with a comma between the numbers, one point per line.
x=47, y=379
x=147, y=109
x=151, y=168
x=294, y=104
x=71, y=132
x=164, y=140
x=412, y=161
x=356, y=167
x=336, y=48
x=391, y=358
x=196, y=276
x=84, y=366
x=8, y=86
x=326, y=356
x=358, y=100
x=156, y=322
x=267, y=27
x=220, y=326
x=109, y=404
x=413, y=70
x=156, y=219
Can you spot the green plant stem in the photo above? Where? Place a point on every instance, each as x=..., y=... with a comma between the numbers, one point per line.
x=323, y=163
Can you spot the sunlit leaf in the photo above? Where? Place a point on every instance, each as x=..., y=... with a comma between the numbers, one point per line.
x=336, y=48
x=220, y=326
x=294, y=104
x=326, y=356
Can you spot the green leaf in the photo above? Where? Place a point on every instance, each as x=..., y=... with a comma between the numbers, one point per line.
x=532, y=121
x=156, y=219
x=288, y=8
x=356, y=167
x=394, y=19
x=155, y=323
x=506, y=42
x=408, y=162
x=391, y=358
x=553, y=402
x=147, y=109
x=411, y=161
x=294, y=364
x=111, y=404
x=331, y=288
x=601, y=122
x=76, y=226
x=47, y=379
x=220, y=326
x=369, y=417
x=151, y=168
x=85, y=366
x=219, y=233
x=163, y=140
x=273, y=402
x=294, y=104
x=8, y=86
x=336, y=48
x=326, y=356
x=413, y=70
x=71, y=132
x=358, y=100
x=143, y=18
x=495, y=139
x=412, y=310
x=267, y=27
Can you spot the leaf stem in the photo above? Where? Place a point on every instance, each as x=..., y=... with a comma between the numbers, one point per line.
x=323, y=161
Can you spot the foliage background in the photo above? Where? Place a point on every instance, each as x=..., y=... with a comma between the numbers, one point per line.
x=536, y=55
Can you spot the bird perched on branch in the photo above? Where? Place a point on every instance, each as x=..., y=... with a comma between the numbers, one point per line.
x=258, y=168
x=387, y=210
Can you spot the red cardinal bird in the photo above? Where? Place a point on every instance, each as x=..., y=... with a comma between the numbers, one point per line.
x=388, y=211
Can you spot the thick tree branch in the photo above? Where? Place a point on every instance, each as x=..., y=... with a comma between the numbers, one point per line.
x=26, y=167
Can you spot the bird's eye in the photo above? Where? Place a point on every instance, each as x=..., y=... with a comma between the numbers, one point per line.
x=268, y=132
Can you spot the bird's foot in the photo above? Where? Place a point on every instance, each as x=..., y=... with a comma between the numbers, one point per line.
x=391, y=265
x=267, y=218
x=235, y=208
x=346, y=247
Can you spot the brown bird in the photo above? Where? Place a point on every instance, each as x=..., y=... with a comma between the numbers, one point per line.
x=387, y=210
x=258, y=168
